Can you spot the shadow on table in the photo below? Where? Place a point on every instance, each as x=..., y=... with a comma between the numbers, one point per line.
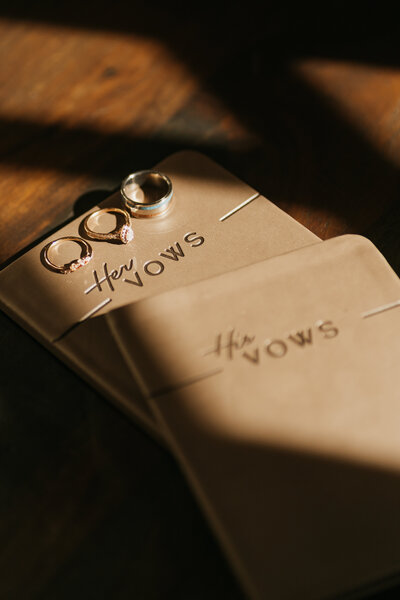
x=297, y=149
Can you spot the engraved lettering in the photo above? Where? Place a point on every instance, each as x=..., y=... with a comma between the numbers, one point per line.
x=173, y=254
x=138, y=281
x=115, y=274
x=96, y=284
x=159, y=266
x=197, y=240
x=127, y=267
x=217, y=349
x=254, y=357
x=230, y=343
x=151, y=267
x=302, y=339
x=276, y=348
x=327, y=328
x=107, y=276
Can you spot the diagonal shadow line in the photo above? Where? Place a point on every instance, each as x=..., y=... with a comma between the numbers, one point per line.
x=293, y=31
x=289, y=151
x=252, y=79
x=297, y=149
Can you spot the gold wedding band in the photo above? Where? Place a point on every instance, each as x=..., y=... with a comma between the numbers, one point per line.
x=147, y=193
x=123, y=233
x=86, y=255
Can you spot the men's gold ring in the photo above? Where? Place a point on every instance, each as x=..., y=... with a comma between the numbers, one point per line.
x=122, y=233
x=147, y=193
x=85, y=257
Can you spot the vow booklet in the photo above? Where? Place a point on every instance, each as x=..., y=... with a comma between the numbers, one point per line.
x=278, y=387
x=215, y=223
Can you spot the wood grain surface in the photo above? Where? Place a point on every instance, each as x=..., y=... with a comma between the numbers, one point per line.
x=304, y=107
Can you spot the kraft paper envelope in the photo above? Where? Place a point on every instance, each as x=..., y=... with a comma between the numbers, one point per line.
x=216, y=223
x=278, y=387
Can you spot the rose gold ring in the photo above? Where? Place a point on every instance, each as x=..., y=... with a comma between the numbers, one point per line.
x=86, y=255
x=122, y=233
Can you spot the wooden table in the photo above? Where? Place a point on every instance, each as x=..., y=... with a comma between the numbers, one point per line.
x=303, y=107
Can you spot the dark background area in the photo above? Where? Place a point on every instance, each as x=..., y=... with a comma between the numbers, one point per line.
x=301, y=104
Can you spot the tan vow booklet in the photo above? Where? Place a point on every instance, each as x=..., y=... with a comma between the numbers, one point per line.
x=278, y=386
x=216, y=223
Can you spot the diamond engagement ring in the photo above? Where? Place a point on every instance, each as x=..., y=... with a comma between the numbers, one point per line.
x=122, y=233
x=86, y=255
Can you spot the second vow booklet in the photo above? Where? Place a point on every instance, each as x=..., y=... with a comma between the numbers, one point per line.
x=278, y=388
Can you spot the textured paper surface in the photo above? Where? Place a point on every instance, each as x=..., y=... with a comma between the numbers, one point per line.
x=187, y=244
x=279, y=388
